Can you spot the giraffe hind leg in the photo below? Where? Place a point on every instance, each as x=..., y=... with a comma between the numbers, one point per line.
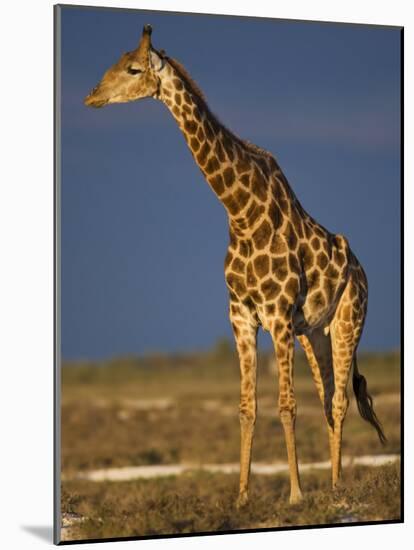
x=346, y=328
x=318, y=351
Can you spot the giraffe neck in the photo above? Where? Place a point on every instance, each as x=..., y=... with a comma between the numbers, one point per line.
x=237, y=172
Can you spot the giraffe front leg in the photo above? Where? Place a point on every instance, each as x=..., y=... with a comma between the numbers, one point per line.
x=283, y=340
x=245, y=333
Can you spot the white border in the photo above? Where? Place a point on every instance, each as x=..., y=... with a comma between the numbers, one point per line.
x=26, y=280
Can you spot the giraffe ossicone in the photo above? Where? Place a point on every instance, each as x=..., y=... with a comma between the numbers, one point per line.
x=284, y=271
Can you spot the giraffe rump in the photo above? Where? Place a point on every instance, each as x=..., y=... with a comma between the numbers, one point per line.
x=365, y=403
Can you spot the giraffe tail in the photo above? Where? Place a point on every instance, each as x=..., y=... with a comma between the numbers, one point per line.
x=364, y=402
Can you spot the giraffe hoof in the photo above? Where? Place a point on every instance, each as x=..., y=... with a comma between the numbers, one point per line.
x=336, y=485
x=295, y=498
x=242, y=500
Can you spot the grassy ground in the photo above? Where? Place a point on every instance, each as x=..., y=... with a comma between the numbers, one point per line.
x=162, y=410
x=206, y=503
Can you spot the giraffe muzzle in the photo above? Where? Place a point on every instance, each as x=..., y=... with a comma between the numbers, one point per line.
x=94, y=99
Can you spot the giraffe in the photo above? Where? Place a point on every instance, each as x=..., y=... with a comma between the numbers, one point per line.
x=284, y=271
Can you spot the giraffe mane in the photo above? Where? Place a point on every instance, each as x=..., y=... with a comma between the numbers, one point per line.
x=196, y=90
x=187, y=78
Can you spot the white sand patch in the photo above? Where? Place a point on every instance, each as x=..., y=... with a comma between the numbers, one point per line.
x=159, y=404
x=129, y=473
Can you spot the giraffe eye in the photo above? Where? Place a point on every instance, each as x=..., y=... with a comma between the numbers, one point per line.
x=130, y=70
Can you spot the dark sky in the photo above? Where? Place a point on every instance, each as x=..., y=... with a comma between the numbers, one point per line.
x=144, y=237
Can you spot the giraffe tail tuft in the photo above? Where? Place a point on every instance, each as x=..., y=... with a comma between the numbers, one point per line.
x=364, y=402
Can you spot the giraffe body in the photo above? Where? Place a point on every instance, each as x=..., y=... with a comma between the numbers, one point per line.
x=284, y=271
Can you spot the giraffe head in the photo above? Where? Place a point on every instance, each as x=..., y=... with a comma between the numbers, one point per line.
x=133, y=77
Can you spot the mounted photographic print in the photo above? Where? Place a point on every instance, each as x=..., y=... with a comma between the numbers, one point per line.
x=228, y=274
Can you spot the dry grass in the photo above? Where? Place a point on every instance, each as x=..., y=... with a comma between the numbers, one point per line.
x=97, y=437
x=198, y=503
x=108, y=419
x=162, y=410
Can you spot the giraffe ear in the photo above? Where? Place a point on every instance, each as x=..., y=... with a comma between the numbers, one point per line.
x=156, y=61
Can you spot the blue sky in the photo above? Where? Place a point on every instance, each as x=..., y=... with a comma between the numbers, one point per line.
x=143, y=236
